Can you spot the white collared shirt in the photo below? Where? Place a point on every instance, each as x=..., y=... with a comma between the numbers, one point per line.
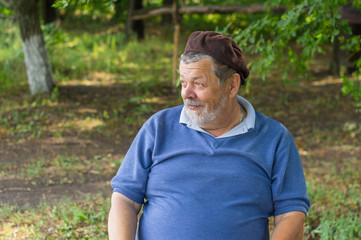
x=247, y=124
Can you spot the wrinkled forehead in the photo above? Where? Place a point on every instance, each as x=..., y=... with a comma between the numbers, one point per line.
x=201, y=67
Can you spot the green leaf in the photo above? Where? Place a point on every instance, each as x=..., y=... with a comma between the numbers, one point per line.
x=61, y=4
x=319, y=35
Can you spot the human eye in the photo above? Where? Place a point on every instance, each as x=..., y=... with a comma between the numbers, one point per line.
x=183, y=83
x=199, y=84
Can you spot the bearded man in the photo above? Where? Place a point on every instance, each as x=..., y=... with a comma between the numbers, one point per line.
x=213, y=168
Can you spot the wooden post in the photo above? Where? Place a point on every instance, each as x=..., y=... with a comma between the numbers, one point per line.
x=176, y=44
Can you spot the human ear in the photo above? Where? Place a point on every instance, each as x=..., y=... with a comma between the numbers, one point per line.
x=234, y=84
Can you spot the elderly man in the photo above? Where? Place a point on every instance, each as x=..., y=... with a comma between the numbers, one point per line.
x=213, y=168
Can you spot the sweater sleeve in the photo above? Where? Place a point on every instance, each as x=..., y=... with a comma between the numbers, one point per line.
x=132, y=176
x=289, y=190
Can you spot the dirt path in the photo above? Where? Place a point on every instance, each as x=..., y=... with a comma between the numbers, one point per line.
x=22, y=191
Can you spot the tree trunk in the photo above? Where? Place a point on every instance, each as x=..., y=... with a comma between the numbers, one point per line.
x=335, y=60
x=118, y=11
x=129, y=22
x=50, y=14
x=138, y=25
x=40, y=75
x=167, y=18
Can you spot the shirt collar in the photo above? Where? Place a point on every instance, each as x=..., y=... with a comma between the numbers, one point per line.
x=247, y=124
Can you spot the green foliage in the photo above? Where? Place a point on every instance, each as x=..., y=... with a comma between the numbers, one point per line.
x=61, y=4
x=194, y=22
x=6, y=11
x=353, y=88
x=97, y=7
x=287, y=42
x=230, y=2
x=334, y=189
x=206, y=2
x=338, y=227
x=12, y=66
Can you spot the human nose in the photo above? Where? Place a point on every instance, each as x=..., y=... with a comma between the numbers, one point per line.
x=188, y=91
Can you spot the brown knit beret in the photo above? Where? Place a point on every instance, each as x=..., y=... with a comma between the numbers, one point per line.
x=221, y=48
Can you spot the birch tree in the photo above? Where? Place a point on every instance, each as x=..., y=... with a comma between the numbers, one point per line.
x=39, y=72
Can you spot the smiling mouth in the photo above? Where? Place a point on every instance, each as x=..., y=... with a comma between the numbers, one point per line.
x=193, y=105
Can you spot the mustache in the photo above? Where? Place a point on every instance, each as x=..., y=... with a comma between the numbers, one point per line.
x=193, y=103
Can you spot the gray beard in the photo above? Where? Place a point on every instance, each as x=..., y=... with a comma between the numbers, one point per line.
x=205, y=116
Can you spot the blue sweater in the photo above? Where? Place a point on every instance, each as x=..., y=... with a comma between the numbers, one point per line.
x=195, y=186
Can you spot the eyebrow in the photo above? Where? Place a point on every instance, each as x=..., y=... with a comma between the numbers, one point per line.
x=193, y=78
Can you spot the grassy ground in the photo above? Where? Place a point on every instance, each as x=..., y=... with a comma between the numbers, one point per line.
x=59, y=152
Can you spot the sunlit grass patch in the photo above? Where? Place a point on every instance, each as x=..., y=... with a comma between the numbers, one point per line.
x=44, y=116
x=81, y=53
x=88, y=124
x=65, y=219
x=61, y=169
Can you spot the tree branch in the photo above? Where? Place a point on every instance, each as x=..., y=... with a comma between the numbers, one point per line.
x=251, y=9
x=6, y=3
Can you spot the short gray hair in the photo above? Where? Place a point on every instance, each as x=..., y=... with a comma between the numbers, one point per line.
x=222, y=71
